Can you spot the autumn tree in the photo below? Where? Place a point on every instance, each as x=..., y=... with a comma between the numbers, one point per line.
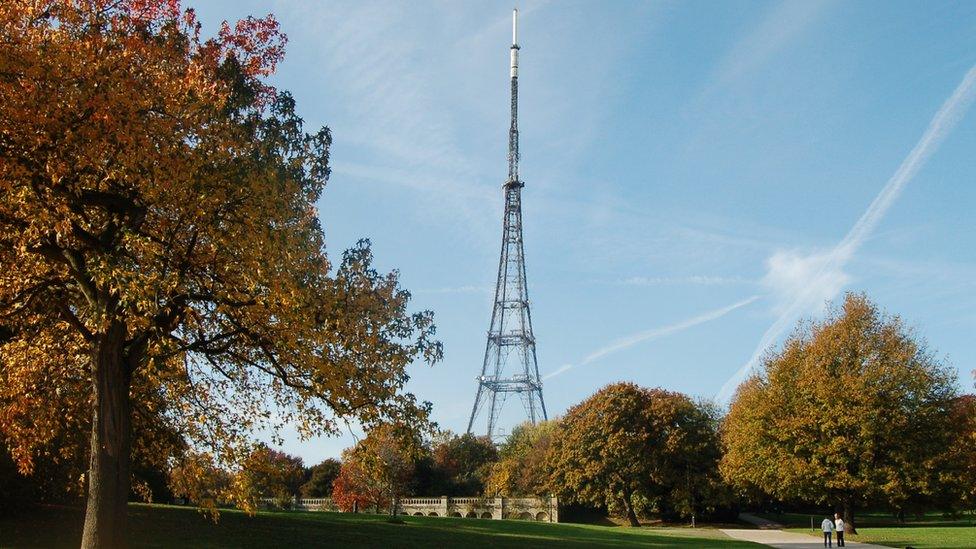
x=388, y=456
x=48, y=429
x=853, y=410
x=200, y=480
x=635, y=450
x=521, y=469
x=268, y=473
x=955, y=485
x=319, y=478
x=155, y=448
x=162, y=254
x=353, y=489
x=952, y=483
x=461, y=463
x=378, y=470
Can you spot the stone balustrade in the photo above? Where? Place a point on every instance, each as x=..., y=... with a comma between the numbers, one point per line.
x=542, y=509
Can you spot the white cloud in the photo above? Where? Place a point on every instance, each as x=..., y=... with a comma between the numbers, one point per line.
x=803, y=283
x=812, y=278
x=558, y=371
x=393, y=115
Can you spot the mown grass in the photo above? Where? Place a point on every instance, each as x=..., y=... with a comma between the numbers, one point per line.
x=930, y=531
x=919, y=537
x=167, y=526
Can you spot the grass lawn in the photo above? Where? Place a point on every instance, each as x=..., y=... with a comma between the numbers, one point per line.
x=928, y=532
x=920, y=537
x=166, y=526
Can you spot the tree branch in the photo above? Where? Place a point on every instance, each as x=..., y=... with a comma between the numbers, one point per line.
x=75, y=321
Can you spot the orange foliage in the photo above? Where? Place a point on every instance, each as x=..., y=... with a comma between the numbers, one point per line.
x=378, y=469
x=352, y=490
x=853, y=410
x=160, y=243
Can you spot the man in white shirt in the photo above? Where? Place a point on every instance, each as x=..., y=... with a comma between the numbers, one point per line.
x=828, y=529
x=840, y=529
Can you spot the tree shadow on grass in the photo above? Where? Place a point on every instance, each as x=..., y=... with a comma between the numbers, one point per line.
x=164, y=526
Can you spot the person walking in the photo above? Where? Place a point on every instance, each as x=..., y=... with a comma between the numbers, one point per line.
x=839, y=526
x=828, y=530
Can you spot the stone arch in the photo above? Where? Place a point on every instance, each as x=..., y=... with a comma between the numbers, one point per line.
x=486, y=515
x=525, y=515
x=542, y=516
x=471, y=514
x=432, y=514
x=418, y=514
x=455, y=514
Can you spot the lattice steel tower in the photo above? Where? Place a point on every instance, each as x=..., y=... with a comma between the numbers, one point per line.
x=510, y=364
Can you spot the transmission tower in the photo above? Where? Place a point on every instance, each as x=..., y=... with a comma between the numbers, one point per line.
x=510, y=365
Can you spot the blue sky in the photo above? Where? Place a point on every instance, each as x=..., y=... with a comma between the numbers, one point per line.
x=698, y=174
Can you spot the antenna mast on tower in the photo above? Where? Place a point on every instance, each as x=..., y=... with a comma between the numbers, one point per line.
x=510, y=363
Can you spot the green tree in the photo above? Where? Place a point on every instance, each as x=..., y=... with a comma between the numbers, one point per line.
x=159, y=236
x=852, y=411
x=952, y=485
x=636, y=450
x=462, y=462
x=971, y=443
x=696, y=452
x=320, y=478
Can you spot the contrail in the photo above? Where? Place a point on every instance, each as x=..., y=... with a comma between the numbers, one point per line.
x=942, y=123
x=653, y=333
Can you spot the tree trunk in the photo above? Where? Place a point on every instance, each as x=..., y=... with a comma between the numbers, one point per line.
x=849, y=518
x=631, y=515
x=108, y=474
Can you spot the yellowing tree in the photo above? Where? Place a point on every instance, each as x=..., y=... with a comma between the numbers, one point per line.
x=521, y=468
x=956, y=467
x=161, y=253
x=273, y=474
x=636, y=450
x=853, y=410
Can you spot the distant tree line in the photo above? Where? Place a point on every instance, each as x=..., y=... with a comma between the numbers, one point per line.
x=852, y=412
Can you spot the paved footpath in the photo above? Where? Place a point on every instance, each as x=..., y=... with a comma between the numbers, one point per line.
x=789, y=540
x=769, y=533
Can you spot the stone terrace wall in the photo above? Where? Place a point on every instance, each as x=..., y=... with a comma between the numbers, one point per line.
x=537, y=509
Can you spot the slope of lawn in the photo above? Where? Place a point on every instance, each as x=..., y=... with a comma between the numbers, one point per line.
x=166, y=526
x=927, y=532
